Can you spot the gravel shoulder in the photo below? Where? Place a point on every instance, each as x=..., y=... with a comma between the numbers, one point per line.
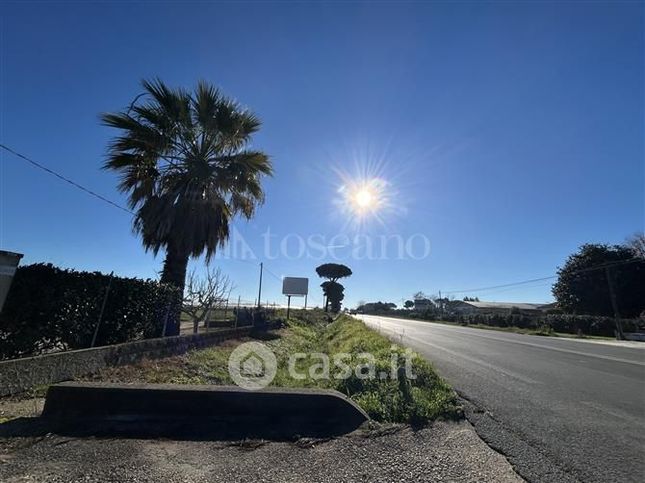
x=443, y=451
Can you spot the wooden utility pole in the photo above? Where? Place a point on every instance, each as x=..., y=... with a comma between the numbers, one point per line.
x=260, y=289
x=105, y=297
x=288, y=305
x=237, y=312
x=614, y=305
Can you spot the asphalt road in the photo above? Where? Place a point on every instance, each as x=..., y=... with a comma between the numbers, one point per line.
x=558, y=409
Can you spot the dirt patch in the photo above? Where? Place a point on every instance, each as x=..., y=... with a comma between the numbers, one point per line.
x=20, y=407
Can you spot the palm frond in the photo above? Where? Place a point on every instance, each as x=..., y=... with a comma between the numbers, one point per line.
x=183, y=162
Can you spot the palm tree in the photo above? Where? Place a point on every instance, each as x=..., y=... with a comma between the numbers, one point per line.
x=184, y=162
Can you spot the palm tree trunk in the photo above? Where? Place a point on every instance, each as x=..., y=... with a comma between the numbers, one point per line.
x=174, y=273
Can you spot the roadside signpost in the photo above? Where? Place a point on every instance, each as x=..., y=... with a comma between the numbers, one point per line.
x=295, y=286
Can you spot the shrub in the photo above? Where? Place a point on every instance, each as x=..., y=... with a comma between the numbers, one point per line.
x=49, y=308
x=258, y=317
x=590, y=324
x=548, y=323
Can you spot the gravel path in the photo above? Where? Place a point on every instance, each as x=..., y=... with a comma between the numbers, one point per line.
x=444, y=451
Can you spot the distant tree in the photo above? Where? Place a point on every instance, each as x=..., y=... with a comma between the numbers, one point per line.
x=334, y=294
x=376, y=307
x=205, y=293
x=637, y=244
x=582, y=286
x=408, y=304
x=332, y=272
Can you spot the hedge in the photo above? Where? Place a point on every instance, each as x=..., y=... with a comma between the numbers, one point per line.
x=49, y=308
x=568, y=324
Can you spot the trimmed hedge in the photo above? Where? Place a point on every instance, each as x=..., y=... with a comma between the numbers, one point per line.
x=568, y=324
x=49, y=308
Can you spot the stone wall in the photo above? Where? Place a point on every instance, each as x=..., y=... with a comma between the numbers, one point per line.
x=19, y=375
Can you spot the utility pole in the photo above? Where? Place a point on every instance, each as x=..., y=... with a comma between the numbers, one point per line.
x=105, y=297
x=288, y=305
x=260, y=289
x=614, y=305
x=237, y=312
x=440, y=305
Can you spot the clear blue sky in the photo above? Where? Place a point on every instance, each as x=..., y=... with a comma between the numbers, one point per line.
x=509, y=133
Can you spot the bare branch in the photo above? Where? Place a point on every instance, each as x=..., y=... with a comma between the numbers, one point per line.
x=205, y=293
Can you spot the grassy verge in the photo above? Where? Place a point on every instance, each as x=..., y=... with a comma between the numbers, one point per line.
x=393, y=398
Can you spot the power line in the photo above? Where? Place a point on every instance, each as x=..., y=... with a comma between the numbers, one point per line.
x=67, y=180
x=608, y=265
x=255, y=264
x=523, y=282
x=518, y=287
x=273, y=274
x=93, y=193
x=492, y=287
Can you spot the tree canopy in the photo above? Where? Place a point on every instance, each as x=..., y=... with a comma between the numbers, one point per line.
x=376, y=307
x=583, y=288
x=333, y=290
x=637, y=243
x=333, y=271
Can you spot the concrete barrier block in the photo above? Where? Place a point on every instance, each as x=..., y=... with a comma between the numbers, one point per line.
x=217, y=411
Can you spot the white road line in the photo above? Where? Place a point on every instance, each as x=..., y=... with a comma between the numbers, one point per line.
x=478, y=362
x=531, y=344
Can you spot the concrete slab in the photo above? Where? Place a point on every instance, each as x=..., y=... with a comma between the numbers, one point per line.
x=201, y=410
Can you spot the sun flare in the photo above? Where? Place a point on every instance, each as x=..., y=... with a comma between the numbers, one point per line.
x=364, y=198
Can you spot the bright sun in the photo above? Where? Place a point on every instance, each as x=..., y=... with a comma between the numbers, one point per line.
x=364, y=198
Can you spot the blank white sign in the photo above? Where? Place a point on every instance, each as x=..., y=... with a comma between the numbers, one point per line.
x=295, y=286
